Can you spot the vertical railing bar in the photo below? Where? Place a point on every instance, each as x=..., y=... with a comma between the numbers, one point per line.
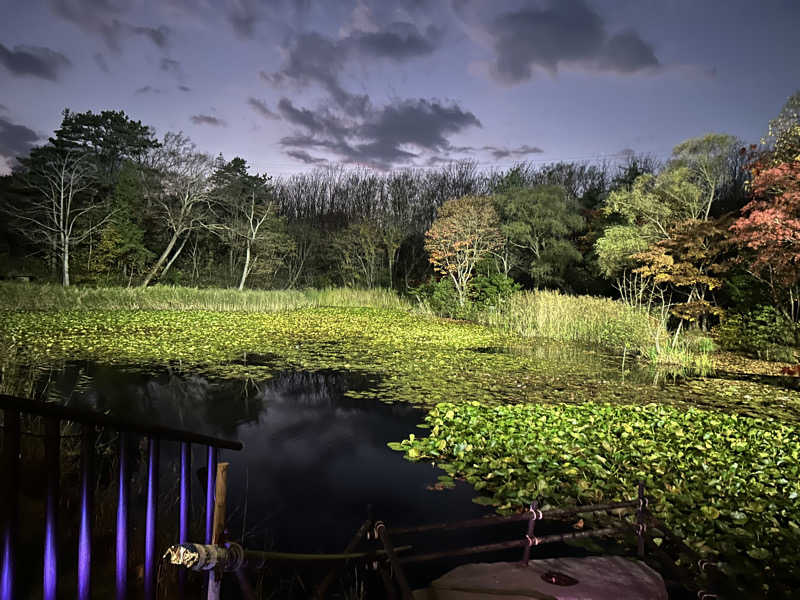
x=10, y=516
x=210, y=484
x=185, y=507
x=52, y=459
x=122, y=520
x=86, y=513
x=151, y=519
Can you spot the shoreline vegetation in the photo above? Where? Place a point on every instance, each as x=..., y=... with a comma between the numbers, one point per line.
x=546, y=395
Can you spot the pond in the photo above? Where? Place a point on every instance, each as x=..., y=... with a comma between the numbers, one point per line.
x=313, y=456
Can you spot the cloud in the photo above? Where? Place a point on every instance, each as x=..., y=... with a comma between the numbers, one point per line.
x=102, y=18
x=562, y=33
x=208, y=120
x=523, y=150
x=312, y=58
x=395, y=133
x=34, y=61
x=15, y=140
x=173, y=67
x=148, y=89
x=305, y=157
x=261, y=108
x=101, y=62
x=184, y=88
x=3, y=108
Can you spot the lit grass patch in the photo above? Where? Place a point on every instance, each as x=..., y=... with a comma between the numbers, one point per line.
x=51, y=297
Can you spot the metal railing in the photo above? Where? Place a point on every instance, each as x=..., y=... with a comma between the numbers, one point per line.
x=53, y=415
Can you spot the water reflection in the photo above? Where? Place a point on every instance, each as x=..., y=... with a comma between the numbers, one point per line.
x=314, y=458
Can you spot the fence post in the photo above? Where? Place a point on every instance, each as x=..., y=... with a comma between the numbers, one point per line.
x=220, y=499
x=640, y=521
x=10, y=516
x=536, y=514
x=52, y=458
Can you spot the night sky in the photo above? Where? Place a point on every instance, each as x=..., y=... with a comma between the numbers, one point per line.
x=290, y=84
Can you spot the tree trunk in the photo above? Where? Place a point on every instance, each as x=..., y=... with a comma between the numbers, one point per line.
x=246, y=266
x=175, y=255
x=149, y=277
x=65, y=265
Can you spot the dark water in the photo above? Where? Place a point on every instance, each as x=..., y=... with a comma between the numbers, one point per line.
x=313, y=458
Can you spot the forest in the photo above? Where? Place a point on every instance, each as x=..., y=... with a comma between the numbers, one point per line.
x=711, y=231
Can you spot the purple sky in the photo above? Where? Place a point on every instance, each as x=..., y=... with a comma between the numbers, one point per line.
x=289, y=84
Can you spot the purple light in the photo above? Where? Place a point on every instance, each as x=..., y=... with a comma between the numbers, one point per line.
x=186, y=490
x=150, y=520
x=183, y=518
x=210, y=483
x=52, y=450
x=85, y=534
x=122, y=520
x=11, y=504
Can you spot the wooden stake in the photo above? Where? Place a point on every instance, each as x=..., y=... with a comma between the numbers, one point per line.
x=220, y=493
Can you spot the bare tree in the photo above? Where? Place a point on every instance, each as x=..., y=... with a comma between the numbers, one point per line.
x=59, y=214
x=178, y=187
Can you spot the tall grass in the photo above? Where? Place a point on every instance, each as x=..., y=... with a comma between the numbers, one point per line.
x=610, y=324
x=47, y=297
x=582, y=319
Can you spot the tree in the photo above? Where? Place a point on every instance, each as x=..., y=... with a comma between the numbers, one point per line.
x=178, y=186
x=245, y=215
x=121, y=242
x=770, y=229
x=359, y=248
x=61, y=212
x=690, y=262
x=465, y=231
x=110, y=137
x=537, y=225
x=783, y=137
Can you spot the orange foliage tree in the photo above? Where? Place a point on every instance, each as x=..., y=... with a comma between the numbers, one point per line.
x=465, y=232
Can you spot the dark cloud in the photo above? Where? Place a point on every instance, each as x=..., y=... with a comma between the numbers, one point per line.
x=173, y=67
x=3, y=108
x=184, y=88
x=305, y=157
x=398, y=41
x=562, y=32
x=148, y=89
x=322, y=122
x=102, y=18
x=385, y=136
x=315, y=58
x=100, y=60
x=15, y=140
x=261, y=108
x=34, y=61
x=208, y=120
x=523, y=150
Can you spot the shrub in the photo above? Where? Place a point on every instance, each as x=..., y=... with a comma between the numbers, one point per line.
x=761, y=332
x=492, y=291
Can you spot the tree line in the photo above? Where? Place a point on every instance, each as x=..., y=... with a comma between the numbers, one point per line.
x=105, y=201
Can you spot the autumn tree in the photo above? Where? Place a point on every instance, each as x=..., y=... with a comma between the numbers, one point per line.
x=769, y=229
x=465, y=232
x=689, y=262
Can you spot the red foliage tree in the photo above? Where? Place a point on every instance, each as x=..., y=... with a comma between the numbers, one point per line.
x=770, y=228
